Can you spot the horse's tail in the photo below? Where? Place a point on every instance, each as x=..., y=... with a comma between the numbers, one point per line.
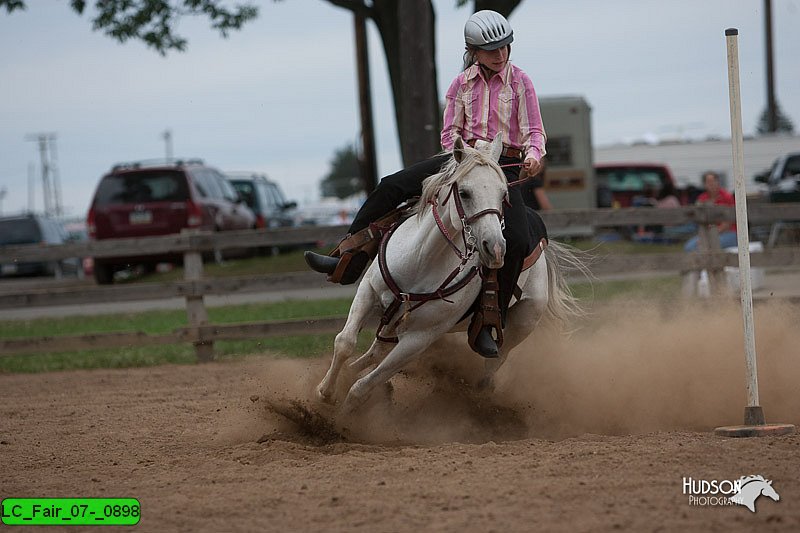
x=562, y=305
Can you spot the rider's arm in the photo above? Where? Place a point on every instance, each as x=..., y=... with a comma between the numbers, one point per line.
x=453, y=121
x=530, y=119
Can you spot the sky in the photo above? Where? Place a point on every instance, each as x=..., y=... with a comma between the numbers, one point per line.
x=280, y=96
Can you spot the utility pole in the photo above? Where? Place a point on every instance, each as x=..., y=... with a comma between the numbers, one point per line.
x=3, y=193
x=772, y=107
x=31, y=187
x=56, y=177
x=367, y=161
x=167, y=135
x=51, y=189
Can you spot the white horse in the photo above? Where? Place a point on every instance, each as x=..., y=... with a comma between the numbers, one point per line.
x=457, y=228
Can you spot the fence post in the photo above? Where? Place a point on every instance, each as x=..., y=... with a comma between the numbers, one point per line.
x=195, y=307
x=708, y=241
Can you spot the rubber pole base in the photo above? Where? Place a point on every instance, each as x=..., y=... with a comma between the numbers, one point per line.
x=755, y=426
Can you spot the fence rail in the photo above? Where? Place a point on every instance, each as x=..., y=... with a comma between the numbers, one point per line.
x=195, y=287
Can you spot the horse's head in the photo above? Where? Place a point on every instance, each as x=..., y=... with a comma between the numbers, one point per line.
x=479, y=185
x=768, y=491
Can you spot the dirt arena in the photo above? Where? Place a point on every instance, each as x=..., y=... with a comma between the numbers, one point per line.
x=591, y=433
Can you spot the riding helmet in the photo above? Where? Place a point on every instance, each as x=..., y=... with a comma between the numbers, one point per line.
x=488, y=30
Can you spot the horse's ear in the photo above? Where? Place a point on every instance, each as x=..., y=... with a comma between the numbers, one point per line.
x=496, y=147
x=458, y=149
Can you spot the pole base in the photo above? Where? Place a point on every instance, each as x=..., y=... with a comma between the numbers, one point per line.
x=754, y=426
x=754, y=416
x=767, y=430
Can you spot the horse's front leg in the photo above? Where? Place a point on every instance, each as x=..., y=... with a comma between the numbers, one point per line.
x=345, y=341
x=406, y=350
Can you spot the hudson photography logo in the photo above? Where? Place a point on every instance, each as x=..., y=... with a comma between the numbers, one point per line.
x=743, y=491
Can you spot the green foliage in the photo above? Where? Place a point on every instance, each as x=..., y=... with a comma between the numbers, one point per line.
x=343, y=179
x=154, y=21
x=784, y=124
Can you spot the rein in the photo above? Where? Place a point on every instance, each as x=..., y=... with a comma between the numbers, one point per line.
x=443, y=291
x=519, y=181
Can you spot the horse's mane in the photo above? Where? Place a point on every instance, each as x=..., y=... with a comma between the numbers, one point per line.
x=452, y=172
x=747, y=479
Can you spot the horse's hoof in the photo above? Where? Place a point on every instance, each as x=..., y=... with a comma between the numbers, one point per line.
x=485, y=385
x=324, y=396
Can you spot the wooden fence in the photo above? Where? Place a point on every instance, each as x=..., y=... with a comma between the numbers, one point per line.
x=194, y=287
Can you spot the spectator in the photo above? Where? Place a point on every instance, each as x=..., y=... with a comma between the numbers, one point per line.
x=715, y=194
x=533, y=193
x=667, y=196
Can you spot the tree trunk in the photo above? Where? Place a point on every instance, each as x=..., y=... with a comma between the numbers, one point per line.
x=406, y=28
x=504, y=7
x=407, y=31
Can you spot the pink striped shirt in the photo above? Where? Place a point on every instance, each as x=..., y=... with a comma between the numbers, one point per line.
x=507, y=103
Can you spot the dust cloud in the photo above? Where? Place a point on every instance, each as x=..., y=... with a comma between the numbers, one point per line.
x=632, y=366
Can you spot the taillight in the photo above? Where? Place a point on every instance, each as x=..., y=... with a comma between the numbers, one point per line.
x=261, y=222
x=194, y=215
x=91, y=228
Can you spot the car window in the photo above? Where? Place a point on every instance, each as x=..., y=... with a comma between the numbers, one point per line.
x=228, y=192
x=792, y=166
x=19, y=231
x=281, y=199
x=269, y=198
x=277, y=198
x=142, y=187
x=634, y=179
x=206, y=183
x=246, y=191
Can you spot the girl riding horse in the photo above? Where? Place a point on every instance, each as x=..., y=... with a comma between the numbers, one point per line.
x=490, y=97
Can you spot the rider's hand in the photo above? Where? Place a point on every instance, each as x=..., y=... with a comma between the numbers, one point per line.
x=531, y=166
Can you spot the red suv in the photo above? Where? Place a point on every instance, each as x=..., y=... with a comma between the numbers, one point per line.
x=147, y=199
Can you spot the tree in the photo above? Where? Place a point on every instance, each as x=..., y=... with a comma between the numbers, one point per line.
x=343, y=179
x=406, y=28
x=784, y=124
x=154, y=21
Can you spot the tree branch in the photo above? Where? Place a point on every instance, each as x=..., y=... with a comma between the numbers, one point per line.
x=356, y=6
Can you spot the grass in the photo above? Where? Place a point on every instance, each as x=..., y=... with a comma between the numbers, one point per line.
x=161, y=322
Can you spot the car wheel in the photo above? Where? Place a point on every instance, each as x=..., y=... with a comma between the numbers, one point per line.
x=103, y=274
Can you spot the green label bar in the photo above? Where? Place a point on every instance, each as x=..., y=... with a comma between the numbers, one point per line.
x=70, y=511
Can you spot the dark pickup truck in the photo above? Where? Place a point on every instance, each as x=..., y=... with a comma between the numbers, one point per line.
x=783, y=179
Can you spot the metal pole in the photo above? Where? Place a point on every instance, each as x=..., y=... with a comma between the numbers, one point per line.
x=743, y=241
x=59, y=209
x=369, y=165
x=772, y=105
x=48, y=210
x=168, y=144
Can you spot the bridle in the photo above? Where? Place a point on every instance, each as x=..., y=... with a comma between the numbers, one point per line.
x=445, y=289
x=470, y=242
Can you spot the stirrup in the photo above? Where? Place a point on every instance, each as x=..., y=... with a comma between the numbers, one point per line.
x=488, y=314
x=351, y=266
x=357, y=250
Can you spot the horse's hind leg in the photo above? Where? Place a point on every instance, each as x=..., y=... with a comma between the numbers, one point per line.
x=522, y=318
x=409, y=348
x=373, y=356
x=345, y=341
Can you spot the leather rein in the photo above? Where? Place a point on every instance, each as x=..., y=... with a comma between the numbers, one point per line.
x=444, y=290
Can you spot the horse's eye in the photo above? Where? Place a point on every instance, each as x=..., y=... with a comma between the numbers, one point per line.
x=465, y=195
